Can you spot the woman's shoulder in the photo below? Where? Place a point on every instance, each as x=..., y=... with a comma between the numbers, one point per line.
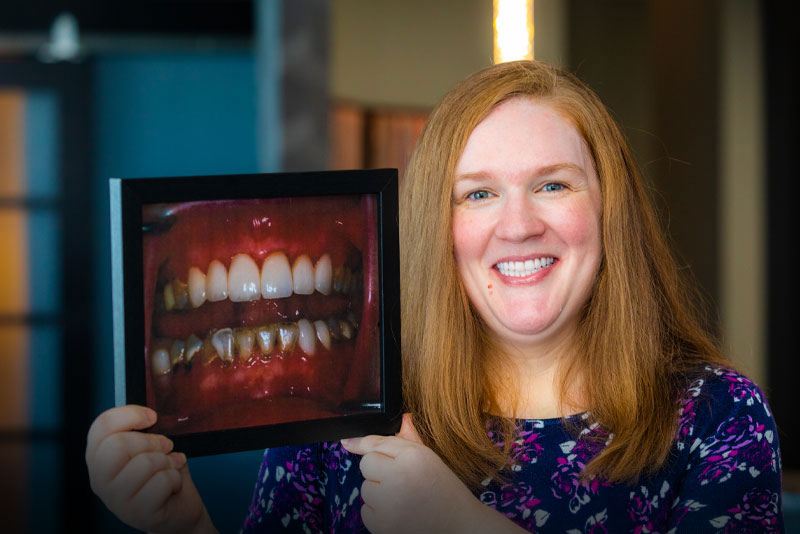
x=719, y=390
x=722, y=401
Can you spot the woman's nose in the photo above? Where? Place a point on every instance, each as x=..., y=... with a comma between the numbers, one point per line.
x=519, y=220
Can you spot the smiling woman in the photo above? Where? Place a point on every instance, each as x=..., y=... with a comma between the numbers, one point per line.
x=592, y=372
x=555, y=371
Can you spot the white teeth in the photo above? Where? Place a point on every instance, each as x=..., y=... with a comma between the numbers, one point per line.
x=176, y=352
x=306, y=336
x=243, y=282
x=222, y=340
x=216, y=282
x=267, y=337
x=243, y=279
x=303, y=275
x=193, y=346
x=526, y=268
x=323, y=334
x=244, y=340
x=276, y=277
x=323, y=273
x=197, y=287
x=159, y=362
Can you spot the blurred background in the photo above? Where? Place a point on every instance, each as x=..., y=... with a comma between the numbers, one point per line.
x=705, y=92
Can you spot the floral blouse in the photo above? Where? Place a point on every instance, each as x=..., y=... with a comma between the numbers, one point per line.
x=723, y=476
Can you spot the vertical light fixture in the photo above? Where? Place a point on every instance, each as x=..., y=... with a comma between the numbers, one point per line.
x=513, y=30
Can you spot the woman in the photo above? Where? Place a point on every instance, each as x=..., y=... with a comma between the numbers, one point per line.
x=555, y=373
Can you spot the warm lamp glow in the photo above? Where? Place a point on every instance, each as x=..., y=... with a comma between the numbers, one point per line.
x=513, y=30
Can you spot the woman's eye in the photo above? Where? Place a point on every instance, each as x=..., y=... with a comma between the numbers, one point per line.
x=553, y=187
x=478, y=195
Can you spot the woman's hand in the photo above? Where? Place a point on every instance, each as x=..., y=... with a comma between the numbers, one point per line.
x=138, y=477
x=408, y=488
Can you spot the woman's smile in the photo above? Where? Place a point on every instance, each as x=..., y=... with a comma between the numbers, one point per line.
x=525, y=271
x=526, y=222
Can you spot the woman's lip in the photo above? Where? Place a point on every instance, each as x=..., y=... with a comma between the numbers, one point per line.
x=532, y=278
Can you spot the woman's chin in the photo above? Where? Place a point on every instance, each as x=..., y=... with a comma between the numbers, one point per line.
x=535, y=331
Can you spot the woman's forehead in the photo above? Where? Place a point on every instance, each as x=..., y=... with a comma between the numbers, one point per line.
x=523, y=132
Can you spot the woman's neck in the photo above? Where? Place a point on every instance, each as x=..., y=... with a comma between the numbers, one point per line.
x=528, y=382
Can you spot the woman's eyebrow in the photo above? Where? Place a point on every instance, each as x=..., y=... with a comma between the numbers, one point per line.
x=473, y=176
x=556, y=167
x=538, y=173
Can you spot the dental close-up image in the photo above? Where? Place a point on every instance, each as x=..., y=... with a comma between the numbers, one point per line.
x=260, y=311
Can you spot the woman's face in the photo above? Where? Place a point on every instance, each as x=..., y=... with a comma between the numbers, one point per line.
x=526, y=222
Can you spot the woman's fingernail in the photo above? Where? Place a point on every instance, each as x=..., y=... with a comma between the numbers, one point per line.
x=345, y=442
x=166, y=444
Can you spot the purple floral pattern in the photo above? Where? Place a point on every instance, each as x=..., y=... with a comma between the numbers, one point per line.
x=757, y=512
x=566, y=482
x=688, y=413
x=723, y=475
x=738, y=444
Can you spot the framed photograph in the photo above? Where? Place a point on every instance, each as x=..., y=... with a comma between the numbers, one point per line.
x=259, y=310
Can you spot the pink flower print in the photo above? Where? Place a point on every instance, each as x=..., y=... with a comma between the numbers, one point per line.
x=686, y=423
x=719, y=468
x=564, y=479
x=302, y=473
x=759, y=506
x=525, y=449
x=336, y=460
x=758, y=455
x=756, y=513
x=517, y=496
x=737, y=432
x=650, y=512
x=518, y=503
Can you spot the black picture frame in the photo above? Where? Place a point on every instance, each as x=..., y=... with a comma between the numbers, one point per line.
x=133, y=377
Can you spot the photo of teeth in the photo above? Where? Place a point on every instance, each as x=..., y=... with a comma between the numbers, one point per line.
x=260, y=311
